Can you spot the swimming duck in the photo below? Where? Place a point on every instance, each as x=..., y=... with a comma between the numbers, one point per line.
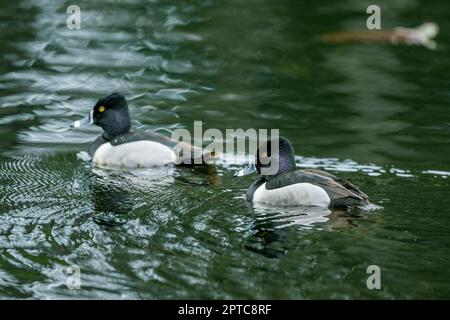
x=119, y=146
x=286, y=186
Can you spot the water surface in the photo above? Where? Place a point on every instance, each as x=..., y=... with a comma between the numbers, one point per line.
x=374, y=114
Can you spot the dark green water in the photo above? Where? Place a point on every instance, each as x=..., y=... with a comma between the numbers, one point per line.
x=372, y=113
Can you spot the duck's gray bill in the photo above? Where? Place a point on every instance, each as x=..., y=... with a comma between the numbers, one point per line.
x=86, y=121
x=250, y=169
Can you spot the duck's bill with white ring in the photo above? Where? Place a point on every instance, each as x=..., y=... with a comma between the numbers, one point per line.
x=250, y=169
x=86, y=121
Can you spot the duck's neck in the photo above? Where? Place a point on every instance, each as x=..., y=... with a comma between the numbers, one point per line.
x=278, y=174
x=109, y=135
x=285, y=166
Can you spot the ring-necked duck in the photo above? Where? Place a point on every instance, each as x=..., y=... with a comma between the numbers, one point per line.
x=119, y=146
x=288, y=186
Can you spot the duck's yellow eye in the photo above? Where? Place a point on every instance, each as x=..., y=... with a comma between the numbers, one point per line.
x=101, y=108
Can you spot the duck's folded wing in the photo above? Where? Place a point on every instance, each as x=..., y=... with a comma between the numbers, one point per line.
x=343, y=182
x=341, y=192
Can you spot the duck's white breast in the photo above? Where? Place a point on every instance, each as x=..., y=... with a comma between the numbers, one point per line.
x=134, y=154
x=299, y=194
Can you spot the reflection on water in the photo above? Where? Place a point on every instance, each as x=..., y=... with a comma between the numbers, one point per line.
x=278, y=218
x=271, y=225
x=373, y=114
x=267, y=238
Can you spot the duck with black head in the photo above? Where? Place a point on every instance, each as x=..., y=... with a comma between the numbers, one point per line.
x=287, y=186
x=119, y=146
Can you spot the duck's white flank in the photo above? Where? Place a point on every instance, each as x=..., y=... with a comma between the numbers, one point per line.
x=299, y=194
x=134, y=154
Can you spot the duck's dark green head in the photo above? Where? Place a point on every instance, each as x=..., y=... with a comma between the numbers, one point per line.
x=111, y=114
x=273, y=157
